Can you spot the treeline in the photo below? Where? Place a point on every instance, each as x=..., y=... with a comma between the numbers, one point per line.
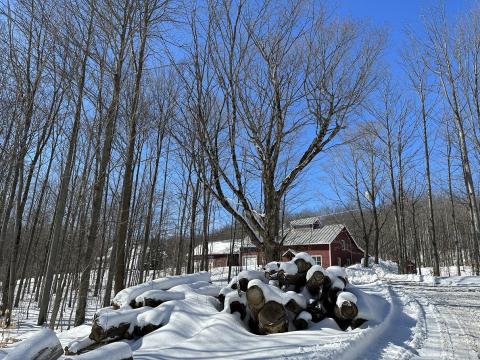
x=132, y=130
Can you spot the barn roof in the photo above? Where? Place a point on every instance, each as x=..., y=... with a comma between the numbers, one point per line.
x=305, y=221
x=324, y=235
x=219, y=247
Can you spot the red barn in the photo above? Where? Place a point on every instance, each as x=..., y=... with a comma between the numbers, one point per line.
x=221, y=253
x=328, y=245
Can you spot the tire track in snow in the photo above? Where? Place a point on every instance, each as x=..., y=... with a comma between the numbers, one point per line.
x=452, y=320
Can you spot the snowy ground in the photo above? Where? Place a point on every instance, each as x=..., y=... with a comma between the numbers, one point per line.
x=420, y=317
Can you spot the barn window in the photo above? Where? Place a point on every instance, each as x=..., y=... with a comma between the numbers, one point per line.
x=339, y=261
x=344, y=245
x=250, y=262
x=348, y=262
x=318, y=259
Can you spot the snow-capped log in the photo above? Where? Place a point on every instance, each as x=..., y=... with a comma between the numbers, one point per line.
x=224, y=293
x=271, y=269
x=245, y=276
x=103, y=311
x=43, y=345
x=78, y=345
x=337, y=272
x=236, y=302
x=346, y=306
x=255, y=300
x=272, y=319
x=116, y=324
x=127, y=296
x=302, y=320
x=298, y=280
x=316, y=277
x=151, y=320
x=294, y=306
x=316, y=309
x=303, y=261
x=345, y=310
x=113, y=351
x=153, y=298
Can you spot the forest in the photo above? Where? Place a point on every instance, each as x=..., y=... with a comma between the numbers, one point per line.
x=132, y=131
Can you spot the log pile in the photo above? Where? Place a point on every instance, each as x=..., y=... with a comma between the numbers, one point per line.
x=284, y=296
x=43, y=345
x=135, y=312
x=291, y=295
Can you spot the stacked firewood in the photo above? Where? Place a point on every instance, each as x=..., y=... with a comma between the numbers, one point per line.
x=288, y=296
x=135, y=312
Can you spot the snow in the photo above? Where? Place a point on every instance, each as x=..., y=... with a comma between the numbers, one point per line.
x=249, y=275
x=409, y=316
x=42, y=339
x=346, y=296
x=289, y=267
x=220, y=247
x=304, y=256
x=313, y=270
x=337, y=271
x=77, y=345
x=272, y=266
x=113, y=351
x=115, y=318
x=156, y=316
x=298, y=298
x=269, y=292
x=232, y=297
x=160, y=295
x=124, y=297
x=305, y=315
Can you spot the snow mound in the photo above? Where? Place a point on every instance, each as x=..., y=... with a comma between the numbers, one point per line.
x=113, y=351
x=160, y=295
x=337, y=271
x=126, y=296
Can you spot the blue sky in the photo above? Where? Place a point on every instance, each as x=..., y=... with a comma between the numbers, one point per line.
x=395, y=16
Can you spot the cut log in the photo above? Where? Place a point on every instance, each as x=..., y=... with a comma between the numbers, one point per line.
x=116, y=324
x=317, y=311
x=347, y=311
x=315, y=279
x=243, y=284
x=302, y=265
x=345, y=306
x=237, y=306
x=78, y=345
x=43, y=345
x=113, y=351
x=298, y=280
x=302, y=320
x=152, y=320
x=255, y=300
x=294, y=307
x=127, y=296
x=272, y=319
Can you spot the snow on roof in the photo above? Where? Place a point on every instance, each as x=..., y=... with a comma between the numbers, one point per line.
x=305, y=221
x=219, y=247
x=324, y=235
x=293, y=252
